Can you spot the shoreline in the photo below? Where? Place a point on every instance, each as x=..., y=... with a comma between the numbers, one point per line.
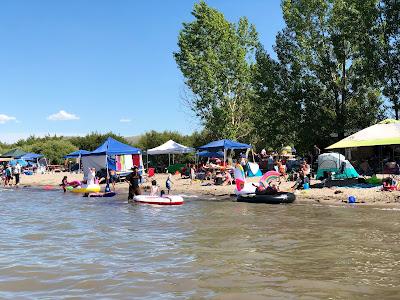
x=324, y=196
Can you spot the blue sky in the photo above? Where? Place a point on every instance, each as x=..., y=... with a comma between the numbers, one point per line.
x=106, y=65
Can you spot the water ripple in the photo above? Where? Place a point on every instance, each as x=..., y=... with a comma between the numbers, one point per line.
x=55, y=245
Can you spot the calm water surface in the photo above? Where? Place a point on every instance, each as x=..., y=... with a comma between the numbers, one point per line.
x=59, y=246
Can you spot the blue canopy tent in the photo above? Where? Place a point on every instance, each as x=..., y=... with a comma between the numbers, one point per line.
x=21, y=162
x=224, y=145
x=30, y=156
x=211, y=154
x=76, y=154
x=105, y=156
x=114, y=147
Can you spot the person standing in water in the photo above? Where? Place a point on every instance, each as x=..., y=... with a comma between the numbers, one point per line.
x=113, y=178
x=8, y=174
x=134, y=180
x=17, y=173
x=64, y=183
x=168, y=183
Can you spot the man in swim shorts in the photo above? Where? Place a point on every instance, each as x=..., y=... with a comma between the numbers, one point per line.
x=134, y=180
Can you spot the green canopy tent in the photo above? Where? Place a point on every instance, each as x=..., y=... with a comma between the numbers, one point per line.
x=15, y=153
x=386, y=132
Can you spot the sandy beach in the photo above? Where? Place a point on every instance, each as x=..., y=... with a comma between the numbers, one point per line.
x=332, y=195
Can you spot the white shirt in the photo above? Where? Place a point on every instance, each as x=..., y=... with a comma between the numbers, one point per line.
x=154, y=190
x=17, y=169
x=91, y=177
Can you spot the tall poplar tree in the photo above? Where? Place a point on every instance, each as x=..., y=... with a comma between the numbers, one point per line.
x=216, y=58
x=389, y=51
x=324, y=44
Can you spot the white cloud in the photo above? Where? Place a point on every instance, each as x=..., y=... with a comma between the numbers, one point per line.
x=5, y=118
x=62, y=115
x=125, y=120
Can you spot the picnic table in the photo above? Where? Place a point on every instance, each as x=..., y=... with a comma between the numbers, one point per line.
x=55, y=168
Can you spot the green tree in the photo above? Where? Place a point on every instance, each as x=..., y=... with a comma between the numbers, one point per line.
x=154, y=139
x=388, y=55
x=93, y=140
x=215, y=57
x=276, y=104
x=52, y=149
x=324, y=46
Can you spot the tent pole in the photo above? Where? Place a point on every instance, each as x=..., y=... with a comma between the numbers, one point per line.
x=393, y=153
x=173, y=158
x=224, y=157
x=147, y=160
x=380, y=159
x=169, y=159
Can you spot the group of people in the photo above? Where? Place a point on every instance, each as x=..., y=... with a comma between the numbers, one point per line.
x=219, y=174
x=10, y=173
x=303, y=176
x=134, y=179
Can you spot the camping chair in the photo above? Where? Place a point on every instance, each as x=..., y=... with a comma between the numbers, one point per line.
x=150, y=172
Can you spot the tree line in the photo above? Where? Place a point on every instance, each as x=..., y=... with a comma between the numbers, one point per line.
x=54, y=148
x=337, y=70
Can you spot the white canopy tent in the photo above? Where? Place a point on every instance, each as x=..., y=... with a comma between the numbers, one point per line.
x=170, y=147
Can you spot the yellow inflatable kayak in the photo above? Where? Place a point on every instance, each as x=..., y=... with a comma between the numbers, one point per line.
x=94, y=188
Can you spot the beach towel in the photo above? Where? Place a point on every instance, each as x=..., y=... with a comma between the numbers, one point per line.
x=118, y=163
x=128, y=162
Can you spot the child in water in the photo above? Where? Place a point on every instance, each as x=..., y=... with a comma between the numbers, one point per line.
x=64, y=183
x=154, y=190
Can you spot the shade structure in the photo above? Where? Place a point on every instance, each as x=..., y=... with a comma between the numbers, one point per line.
x=114, y=147
x=386, y=132
x=76, y=154
x=211, y=154
x=21, y=162
x=31, y=156
x=170, y=147
x=337, y=164
x=114, y=155
x=223, y=145
x=16, y=153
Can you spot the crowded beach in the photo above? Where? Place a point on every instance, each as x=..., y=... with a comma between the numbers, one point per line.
x=222, y=170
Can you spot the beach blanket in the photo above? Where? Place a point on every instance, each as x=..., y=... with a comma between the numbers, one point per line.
x=361, y=186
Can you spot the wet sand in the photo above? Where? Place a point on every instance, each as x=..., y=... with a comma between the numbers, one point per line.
x=331, y=195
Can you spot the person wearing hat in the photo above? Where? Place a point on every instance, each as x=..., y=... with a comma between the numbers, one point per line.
x=134, y=180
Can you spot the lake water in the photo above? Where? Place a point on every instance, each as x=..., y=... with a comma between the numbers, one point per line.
x=58, y=246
